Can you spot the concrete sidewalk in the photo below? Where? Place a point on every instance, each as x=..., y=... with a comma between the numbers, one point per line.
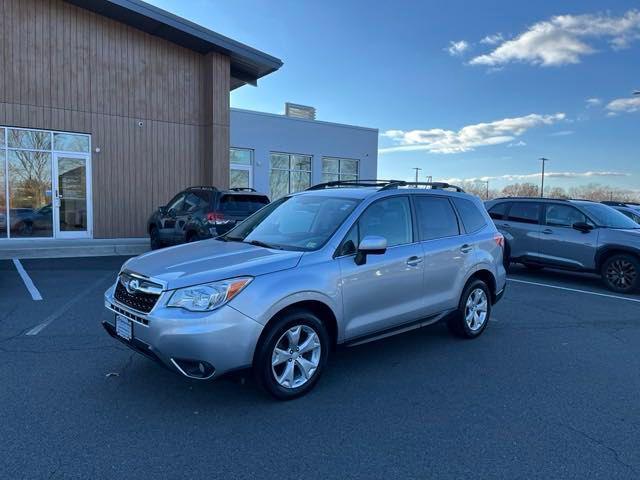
x=56, y=248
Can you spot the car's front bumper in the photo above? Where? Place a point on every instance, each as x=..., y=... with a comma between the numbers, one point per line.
x=223, y=339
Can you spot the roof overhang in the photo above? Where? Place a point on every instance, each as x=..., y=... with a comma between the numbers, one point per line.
x=247, y=63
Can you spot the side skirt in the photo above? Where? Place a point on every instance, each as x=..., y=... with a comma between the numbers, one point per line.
x=405, y=327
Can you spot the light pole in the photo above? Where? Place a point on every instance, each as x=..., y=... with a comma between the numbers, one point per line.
x=543, y=160
x=417, y=169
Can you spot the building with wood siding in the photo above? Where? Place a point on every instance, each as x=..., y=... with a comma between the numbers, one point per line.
x=107, y=109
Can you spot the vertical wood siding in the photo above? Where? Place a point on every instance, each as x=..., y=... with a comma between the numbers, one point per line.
x=64, y=68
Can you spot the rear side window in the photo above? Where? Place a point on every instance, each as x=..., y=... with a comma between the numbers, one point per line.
x=436, y=217
x=195, y=201
x=472, y=219
x=525, y=212
x=499, y=211
x=242, y=205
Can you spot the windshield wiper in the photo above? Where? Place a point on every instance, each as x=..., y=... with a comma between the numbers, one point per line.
x=225, y=238
x=259, y=243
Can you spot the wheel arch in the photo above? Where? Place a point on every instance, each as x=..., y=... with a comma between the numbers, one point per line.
x=604, y=253
x=487, y=277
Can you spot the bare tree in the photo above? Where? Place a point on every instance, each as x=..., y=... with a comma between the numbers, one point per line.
x=521, y=190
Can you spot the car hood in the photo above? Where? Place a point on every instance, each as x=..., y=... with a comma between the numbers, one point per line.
x=209, y=261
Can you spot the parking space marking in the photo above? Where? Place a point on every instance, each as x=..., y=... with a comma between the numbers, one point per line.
x=558, y=287
x=33, y=291
x=60, y=311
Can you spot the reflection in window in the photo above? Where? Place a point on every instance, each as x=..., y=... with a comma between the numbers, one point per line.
x=289, y=173
x=2, y=139
x=240, y=160
x=69, y=142
x=240, y=156
x=30, y=139
x=344, y=169
x=30, y=209
x=72, y=186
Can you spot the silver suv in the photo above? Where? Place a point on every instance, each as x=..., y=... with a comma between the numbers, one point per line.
x=312, y=270
x=577, y=235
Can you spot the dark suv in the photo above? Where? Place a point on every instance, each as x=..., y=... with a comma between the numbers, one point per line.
x=202, y=212
x=575, y=235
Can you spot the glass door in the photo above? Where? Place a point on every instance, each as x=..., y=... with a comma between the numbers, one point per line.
x=72, y=195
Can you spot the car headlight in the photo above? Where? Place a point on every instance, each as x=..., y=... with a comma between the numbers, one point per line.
x=209, y=296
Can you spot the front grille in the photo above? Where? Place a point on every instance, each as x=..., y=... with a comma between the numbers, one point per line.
x=140, y=301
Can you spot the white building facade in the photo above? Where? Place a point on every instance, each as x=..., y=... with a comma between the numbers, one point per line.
x=277, y=154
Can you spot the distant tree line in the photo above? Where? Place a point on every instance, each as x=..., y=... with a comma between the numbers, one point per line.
x=591, y=191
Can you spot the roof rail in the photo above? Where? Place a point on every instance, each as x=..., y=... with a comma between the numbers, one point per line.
x=534, y=198
x=614, y=204
x=202, y=187
x=243, y=189
x=382, y=184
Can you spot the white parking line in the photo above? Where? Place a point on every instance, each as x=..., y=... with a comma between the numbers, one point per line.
x=60, y=311
x=35, y=294
x=557, y=287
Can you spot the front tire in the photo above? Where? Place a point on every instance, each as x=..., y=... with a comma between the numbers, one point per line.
x=621, y=273
x=291, y=356
x=474, y=310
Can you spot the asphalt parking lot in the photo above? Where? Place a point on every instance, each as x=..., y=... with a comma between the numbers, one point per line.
x=551, y=390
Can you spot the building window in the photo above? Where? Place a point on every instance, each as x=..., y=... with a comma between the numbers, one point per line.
x=289, y=173
x=343, y=169
x=241, y=168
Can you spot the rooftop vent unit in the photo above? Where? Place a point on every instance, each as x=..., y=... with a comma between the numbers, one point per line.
x=299, y=111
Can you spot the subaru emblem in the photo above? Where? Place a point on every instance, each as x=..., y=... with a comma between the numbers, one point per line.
x=132, y=285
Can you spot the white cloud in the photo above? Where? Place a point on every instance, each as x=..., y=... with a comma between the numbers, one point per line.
x=520, y=143
x=563, y=39
x=492, y=39
x=623, y=105
x=438, y=140
x=593, y=102
x=510, y=177
x=457, y=48
x=562, y=133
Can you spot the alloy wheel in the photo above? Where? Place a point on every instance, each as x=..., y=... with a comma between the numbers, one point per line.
x=476, y=308
x=621, y=274
x=296, y=356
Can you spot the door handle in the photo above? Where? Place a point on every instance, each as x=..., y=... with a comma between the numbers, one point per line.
x=414, y=261
x=466, y=248
x=547, y=231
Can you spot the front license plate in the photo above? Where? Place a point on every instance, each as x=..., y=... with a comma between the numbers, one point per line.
x=124, y=328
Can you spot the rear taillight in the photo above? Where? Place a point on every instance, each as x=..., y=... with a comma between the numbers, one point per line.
x=499, y=239
x=216, y=218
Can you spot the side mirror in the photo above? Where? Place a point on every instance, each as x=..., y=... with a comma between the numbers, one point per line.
x=370, y=245
x=162, y=210
x=583, y=227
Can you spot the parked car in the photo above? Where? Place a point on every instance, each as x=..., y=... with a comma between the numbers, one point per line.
x=201, y=212
x=628, y=210
x=311, y=270
x=574, y=235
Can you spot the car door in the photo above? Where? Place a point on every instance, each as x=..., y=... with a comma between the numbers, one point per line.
x=167, y=218
x=522, y=226
x=563, y=245
x=445, y=251
x=387, y=290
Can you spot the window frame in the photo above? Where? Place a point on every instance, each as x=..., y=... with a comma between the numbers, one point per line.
x=339, y=173
x=356, y=222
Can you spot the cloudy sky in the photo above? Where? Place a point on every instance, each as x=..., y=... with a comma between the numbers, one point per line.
x=464, y=90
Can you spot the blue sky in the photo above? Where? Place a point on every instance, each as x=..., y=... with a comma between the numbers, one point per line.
x=520, y=83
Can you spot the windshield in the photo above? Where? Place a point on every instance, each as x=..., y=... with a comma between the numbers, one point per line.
x=301, y=222
x=609, y=217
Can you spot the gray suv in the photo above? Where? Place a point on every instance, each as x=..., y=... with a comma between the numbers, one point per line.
x=340, y=263
x=577, y=235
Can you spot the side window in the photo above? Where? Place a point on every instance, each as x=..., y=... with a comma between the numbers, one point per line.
x=176, y=203
x=472, y=219
x=563, y=215
x=436, y=217
x=499, y=211
x=195, y=201
x=525, y=212
x=350, y=243
x=389, y=218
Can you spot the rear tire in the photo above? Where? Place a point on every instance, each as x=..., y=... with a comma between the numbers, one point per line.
x=506, y=260
x=621, y=273
x=292, y=354
x=474, y=310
